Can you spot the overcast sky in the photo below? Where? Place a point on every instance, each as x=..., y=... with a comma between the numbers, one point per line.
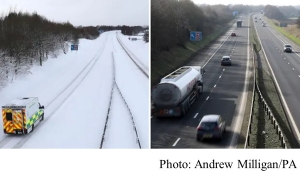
x=250, y=2
x=85, y=12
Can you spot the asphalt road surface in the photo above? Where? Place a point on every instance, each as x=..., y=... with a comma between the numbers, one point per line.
x=285, y=67
x=224, y=94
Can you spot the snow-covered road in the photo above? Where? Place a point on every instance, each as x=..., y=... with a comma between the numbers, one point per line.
x=75, y=89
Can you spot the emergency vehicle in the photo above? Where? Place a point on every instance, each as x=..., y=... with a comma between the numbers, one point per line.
x=22, y=115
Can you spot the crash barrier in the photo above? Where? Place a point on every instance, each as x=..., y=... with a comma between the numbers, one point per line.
x=114, y=84
x=267, y=110
x=135, y=60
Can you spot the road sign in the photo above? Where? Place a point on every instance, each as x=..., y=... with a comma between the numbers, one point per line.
x=74, y=47
x=195, y=35
x=101, y=31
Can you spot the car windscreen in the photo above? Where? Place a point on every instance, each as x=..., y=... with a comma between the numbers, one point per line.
x=226, y=59
x=288, y=46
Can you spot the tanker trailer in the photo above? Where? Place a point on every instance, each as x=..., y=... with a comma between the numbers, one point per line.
x=176, y=92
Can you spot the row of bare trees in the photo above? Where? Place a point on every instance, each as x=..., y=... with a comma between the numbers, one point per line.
x=172, y=20
x=26, y=39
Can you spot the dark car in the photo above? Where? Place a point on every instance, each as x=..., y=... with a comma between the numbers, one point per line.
x=233, y=34
x=211, y=126
x=226, y=60
x=287, y=48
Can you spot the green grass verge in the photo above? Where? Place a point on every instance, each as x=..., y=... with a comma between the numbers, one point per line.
x=169, y=61
x=285, y=33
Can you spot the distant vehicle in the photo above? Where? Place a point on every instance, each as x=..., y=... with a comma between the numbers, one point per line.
x=176, y=92
x=255, y=17
x=211, y=126
x=287, y=48
x=233, y=34
x=22, y=115
x=239, y=23
x=226, y=60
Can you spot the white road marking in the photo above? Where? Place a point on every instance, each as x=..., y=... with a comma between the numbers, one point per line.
x=215, y=52
x=239, y=114
x=288, y=62
x=176, y=142
x=293, y=69
x=196, y=115
x=207, y=98
x=215, y=86
x=220, y=76
x=282, y=40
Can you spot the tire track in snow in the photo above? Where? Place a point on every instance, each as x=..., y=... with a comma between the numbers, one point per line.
x=17, y=141
x=130, y=116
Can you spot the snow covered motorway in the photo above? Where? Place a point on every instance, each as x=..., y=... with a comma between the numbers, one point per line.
x=96, y=97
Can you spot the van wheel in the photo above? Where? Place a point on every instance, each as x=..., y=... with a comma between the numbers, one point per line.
x=32, y=128
x=42, y=117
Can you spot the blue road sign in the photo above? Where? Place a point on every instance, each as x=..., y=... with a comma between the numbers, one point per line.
x=195, y=35
x=74, y=47
x=101, y=31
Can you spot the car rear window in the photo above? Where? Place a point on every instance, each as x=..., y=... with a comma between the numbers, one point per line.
x=288, y=46
x=225, y=58
x=208, y=125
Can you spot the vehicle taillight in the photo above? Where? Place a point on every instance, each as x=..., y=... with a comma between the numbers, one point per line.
x=199, y=127
x=217, y=128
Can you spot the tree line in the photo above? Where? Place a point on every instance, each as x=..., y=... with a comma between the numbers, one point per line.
x=172, y=21
x=29, y=38
x=126, y=30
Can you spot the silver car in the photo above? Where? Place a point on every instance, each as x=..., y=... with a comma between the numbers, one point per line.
x=226, y=60
x=211, y=126
x=287, y=48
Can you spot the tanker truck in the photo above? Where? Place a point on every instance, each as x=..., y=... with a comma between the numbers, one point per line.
x=176, y=92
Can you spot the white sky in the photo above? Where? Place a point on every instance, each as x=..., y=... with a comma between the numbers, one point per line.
x=85, y=12
x=250, y=2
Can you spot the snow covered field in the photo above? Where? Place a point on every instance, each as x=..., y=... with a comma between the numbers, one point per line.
x=75, y=89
